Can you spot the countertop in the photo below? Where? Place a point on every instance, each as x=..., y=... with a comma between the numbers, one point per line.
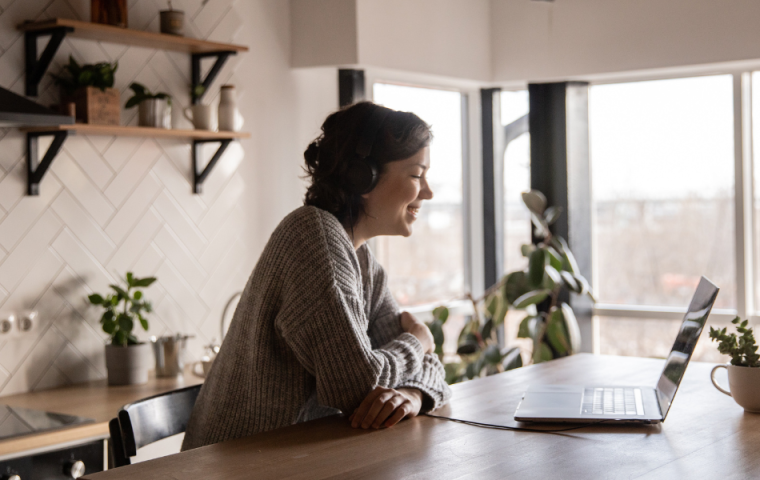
x=94, y=400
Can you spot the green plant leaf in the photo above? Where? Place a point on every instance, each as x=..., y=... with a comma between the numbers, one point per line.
x=143, y=322
x=138, y=88
x=125, y=322
x=487, y=330
x=555, y=332
x=130, y=279
x=436, y=328
x=527, y=249
x=120, y=291
x=542, y=354
x=119, y=338
x=531, y=298
x=515, y=286
x=138, y=295
x=467, y=348
x=511, y=358
x=536, y=265
x=502, y=309
x=568, y=259
x=95, y=299
x=552, y=214
x=441, y=313
x=535, y=201
x=109, y=327
x=492, y=304
x=569, y=281
x=144, y=282
x=107, y=316
x=530, y=327
x=492, y=355
x=571, y=325
x=555, y=259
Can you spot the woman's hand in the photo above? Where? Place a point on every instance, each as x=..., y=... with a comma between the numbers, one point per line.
x=411, y=325
x=386, y=407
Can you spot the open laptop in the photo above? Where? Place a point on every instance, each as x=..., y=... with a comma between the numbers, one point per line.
x=580, y=404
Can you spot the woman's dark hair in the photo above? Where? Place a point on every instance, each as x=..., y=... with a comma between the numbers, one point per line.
x=401, y=135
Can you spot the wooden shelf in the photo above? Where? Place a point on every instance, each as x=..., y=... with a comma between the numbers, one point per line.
x=120, y=131
x=126, y=36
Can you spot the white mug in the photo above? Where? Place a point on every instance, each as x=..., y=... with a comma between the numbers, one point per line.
x=744, y=383
x=202, y=117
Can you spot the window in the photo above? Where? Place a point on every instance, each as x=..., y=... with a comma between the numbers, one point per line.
x=429, y=266
x=516, y=221
x=662, y=163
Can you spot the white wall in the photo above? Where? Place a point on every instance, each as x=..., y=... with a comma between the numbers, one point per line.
x=441, y=37
x=537, y=41
x=109, y=205
x=323, y=32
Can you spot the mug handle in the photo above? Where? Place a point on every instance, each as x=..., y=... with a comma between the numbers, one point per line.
x=712, y=378
x=188, y=117
x=196, y=372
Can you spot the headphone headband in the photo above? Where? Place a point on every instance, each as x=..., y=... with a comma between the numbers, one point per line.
x=371, y=129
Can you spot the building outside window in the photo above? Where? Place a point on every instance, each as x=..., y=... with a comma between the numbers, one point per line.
x=662, y=163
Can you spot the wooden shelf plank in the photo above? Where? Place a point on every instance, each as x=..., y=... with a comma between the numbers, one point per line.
x=138, y=38
x=121, y=131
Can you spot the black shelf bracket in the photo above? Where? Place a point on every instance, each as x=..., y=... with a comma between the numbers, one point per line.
x=200, y=176
x=36, y=68
x=221, y=57
x=35, y=169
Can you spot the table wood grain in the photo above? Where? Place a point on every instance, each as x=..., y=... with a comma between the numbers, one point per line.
x=706, y=435
x=95, y=400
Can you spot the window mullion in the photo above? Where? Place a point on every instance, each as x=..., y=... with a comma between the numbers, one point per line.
x=743, y=198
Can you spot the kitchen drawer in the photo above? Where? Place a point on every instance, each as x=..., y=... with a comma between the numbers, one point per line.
x=55, y=464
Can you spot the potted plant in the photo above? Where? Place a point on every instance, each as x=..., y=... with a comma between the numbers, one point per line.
x=744, y=369
x=550, y=322
x=90, y=88
x=154, y=109
x=127, y=360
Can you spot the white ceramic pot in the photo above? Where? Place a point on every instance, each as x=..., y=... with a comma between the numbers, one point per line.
x=201, y=116
x=155, y=112
x=744, y=384
x=230, y=119
x=129, y=365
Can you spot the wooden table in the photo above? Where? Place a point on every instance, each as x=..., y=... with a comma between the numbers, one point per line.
x=95, y=400
x=706, y=435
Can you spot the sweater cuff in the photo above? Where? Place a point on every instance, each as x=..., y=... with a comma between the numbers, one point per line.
x=431, y=382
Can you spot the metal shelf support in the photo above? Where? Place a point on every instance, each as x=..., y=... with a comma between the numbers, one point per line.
x=221, y=57
x=199, y=176
x=35, y=169
x=36, y=68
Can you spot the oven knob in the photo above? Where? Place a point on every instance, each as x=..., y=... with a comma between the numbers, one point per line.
x=74, y=469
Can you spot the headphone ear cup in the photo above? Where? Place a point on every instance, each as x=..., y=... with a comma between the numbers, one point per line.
x=361, y=176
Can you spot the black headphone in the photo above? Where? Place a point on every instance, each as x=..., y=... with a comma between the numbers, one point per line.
x=363, y=172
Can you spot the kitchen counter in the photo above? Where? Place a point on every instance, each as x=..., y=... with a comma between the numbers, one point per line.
x=95, y=400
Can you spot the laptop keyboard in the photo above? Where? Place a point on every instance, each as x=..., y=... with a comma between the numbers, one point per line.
x=612, y=401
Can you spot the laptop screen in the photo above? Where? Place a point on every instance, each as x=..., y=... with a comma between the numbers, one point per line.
x=691, y=328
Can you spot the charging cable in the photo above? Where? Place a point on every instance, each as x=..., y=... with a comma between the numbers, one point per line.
x=506, y=427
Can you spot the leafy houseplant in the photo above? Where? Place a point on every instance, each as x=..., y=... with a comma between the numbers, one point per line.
x=127, y=360
x=741, y=348
x=744, y=370
x=154, y=108
x=90, y=88
x=550, y=323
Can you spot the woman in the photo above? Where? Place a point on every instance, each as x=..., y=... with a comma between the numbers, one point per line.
x=316, y=330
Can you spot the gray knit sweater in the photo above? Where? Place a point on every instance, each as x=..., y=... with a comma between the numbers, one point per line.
x=314, y=332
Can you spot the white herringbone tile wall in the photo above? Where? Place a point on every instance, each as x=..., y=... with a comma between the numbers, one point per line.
x=112, y=204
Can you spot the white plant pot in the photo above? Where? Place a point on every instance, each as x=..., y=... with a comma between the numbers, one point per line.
x=155, y=112
x=129, y=365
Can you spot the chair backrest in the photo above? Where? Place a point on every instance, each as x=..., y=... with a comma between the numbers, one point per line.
x=151, y=419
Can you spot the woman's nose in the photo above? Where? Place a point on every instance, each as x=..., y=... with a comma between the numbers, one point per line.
x=426, y=193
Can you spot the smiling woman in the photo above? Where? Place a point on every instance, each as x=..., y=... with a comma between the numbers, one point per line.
x=316, y=331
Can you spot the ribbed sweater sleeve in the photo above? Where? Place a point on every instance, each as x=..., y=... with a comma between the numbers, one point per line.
x=332, y=343
x=385, y=325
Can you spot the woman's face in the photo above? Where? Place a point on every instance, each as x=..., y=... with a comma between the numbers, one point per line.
x=394, y=204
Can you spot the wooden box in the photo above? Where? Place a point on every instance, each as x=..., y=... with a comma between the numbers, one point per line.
x=94, y=106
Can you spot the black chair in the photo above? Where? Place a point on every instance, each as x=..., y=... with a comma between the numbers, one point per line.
x=149, y=420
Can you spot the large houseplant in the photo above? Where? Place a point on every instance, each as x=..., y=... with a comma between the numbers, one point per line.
x=538, y=290
x=90, y=88
x=127, y=360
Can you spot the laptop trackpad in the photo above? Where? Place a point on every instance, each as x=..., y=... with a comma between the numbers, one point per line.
x=560, y=403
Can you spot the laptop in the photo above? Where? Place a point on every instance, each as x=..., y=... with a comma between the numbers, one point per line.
x=613, y=404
